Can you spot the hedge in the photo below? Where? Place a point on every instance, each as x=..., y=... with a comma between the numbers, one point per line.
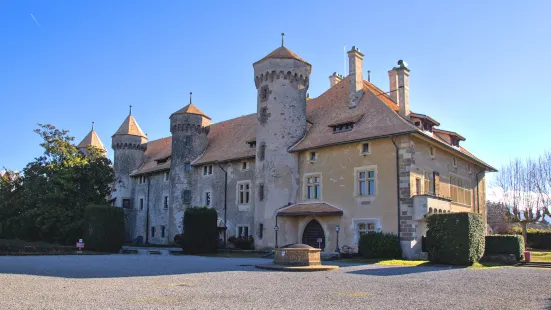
x=103, y=228
x=379, y=245
x=455, y=238
x=539, y=240
x=200, y=231
x=505, y=244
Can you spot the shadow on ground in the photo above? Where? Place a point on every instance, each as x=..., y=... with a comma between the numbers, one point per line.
x=117, y=265
x=397, y=271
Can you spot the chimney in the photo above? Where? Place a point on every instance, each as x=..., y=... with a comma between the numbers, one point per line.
x=355, y=59
x=334, y=79
x=399, y=87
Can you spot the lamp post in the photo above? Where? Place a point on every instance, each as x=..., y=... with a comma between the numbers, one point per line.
x=276, y=228
x=337, y=228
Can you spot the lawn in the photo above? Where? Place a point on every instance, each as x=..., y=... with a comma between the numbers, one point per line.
x=410, y=263
x=541, y=257
x=20, y=247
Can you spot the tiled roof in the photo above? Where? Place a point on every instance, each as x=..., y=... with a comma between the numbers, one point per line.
x=450, y=133
x=282, y=53
x=156, y=149
x=378, y=119
x=130, y=127
x=191, y=109
x=228, y=140
x=93, y=139
x=316, y=208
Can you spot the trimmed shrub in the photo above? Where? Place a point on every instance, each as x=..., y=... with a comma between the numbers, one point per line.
x=505, y=244
x=242, y=242
x=103, y=228
x=379, y=245
x=200, y=231
x=455, y=238
x=539, y=240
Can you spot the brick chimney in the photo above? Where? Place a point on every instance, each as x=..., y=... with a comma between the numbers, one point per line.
x=334, y=79
x=399, y=87
x=355, y=59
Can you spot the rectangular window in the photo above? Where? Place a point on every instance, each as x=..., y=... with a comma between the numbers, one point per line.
x=428, y=182
x=365, y=148
x=126, y=203
x=187, y=167
x=207, y=199
x=207, y=170
x=242, y=230
x=262, y=151
x=252, y=144
x=261, y=192
x=313, y=156
x=366, y=183
x=431, y=151
x=141, y=204
x=188, y=141
x=469, y=168
x=313, y=189
x=186, y=196
x=364, y=228
x=454, y=160
x=260, y=230
x=163, y=231
x=167, y=175
x=460, y=190
x=152, y=232
x=244, y=165
x=418, y=186
x=243, y=193
x=166, y=202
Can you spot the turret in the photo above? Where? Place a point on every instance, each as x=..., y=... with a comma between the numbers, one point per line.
x=282, y=79
x=129, y=144
x=91, y=139
x=189, y=127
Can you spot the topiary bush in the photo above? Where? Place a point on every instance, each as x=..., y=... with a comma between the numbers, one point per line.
x=242, y=242
x=379, y=245
x=455, y=238
x=539, y=240
x=504, y=244
x=103, y=228
x=200, y=231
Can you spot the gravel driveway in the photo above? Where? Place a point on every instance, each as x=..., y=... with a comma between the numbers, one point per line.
x=192, y=282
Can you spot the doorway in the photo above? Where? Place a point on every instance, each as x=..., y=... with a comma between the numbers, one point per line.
x=313, y=232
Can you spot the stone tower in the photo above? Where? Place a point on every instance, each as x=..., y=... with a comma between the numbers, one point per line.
x=281, y=79
x=129, y=144
x=189, y=127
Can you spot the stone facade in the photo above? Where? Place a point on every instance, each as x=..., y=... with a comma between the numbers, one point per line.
x=347, y=162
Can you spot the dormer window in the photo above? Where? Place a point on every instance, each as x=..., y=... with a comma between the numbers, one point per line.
x=163, y=160
x=427, y=126
x=454, y=141
x=343, y=127
x=418, y=124
x=252, y=144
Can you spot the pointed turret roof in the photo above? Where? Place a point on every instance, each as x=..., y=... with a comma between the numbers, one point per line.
x=191, y=109
x=283, y=53
x=130, y=127
x=93, y=139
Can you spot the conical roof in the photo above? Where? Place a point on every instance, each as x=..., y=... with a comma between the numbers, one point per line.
x=93, y=139
x=130, y=127
x=191, y=109
x=283, y=53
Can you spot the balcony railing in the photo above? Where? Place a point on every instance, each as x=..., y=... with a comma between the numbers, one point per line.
x=431, y=194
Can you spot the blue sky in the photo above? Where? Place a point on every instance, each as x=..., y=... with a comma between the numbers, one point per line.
x=481, y=68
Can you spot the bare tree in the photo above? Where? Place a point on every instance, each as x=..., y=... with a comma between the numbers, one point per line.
x=526, y=186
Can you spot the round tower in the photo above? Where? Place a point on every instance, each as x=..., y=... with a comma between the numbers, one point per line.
x=189, y=127
x=282, y=80
x=129, y=144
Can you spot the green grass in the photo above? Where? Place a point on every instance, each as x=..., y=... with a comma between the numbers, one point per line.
x=541, y=257
x=387, y=262
x=11, y=247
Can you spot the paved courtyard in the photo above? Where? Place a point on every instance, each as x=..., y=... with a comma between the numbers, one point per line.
x=192, y=282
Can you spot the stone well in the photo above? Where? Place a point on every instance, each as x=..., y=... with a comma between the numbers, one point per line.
x=298, y=255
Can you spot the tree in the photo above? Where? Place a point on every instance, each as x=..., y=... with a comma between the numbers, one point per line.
x=526, y=190
x=56, y=187
x=497, y=219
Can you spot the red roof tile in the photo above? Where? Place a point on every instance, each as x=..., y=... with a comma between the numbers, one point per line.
x=283, y=53
x=191, y=109
x=156, y=149
x=130, y=127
